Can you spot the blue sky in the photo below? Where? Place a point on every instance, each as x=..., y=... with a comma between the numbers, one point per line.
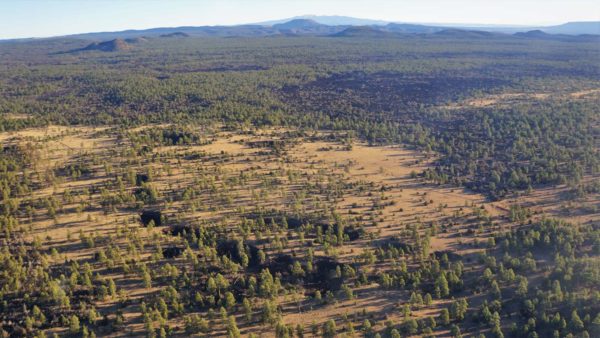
x=42, y=18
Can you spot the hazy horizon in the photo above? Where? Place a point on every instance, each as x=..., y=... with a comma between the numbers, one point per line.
x=26, y=19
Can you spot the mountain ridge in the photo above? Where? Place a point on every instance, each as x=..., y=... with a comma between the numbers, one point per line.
x=318, y=25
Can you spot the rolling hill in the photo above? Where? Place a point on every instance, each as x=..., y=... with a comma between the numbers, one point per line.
x=114, y=45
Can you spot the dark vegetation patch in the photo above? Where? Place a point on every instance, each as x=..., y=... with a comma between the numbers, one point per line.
x=323, y=276
x=172, y=252
x=181, y=230
x=449, y=255
x=281, y=265
x=76, y=170
x=395, y=243
x=234, y=68
x=285, y=220
x=148, y=216
x=351, y=233
x=294, y=222
x=17, y=153
x=145, y=194
x=236, y=249
x=273, y=144
x=348, y=93
x=141, y=178
x=168, y=136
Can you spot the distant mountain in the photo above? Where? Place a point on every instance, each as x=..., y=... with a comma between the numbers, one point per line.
x=575, y=28
x=306, y=26
x=541, y=35
x=329, y=20
x=463, y=33
x=298, y=24
x=363, y=31
x=571, y=28
x=411, y=28
x=175, y=35
x=136, y=40
x=341, y=26
x=200, y=31
x=114, y=45
x=537, y=34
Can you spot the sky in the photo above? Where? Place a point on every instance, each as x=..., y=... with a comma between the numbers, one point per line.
x=43, y=18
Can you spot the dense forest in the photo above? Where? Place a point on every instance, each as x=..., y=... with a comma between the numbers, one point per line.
x=387, y=90
x=130, y=220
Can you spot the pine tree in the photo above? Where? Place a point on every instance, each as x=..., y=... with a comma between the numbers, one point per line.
x=576, y=322
x=441, y=286
x=455, y=331
x=232, y=329
x=229, y=300
x=74, y=325
x=329, y=329
x=281, y=331
x=445, y=316
x=247, y=309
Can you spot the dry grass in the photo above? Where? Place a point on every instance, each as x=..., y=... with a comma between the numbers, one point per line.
x=394, y=201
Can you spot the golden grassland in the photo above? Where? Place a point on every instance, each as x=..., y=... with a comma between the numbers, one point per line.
x=376, y=187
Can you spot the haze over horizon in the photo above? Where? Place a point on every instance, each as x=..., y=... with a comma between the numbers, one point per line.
x=25, y=19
